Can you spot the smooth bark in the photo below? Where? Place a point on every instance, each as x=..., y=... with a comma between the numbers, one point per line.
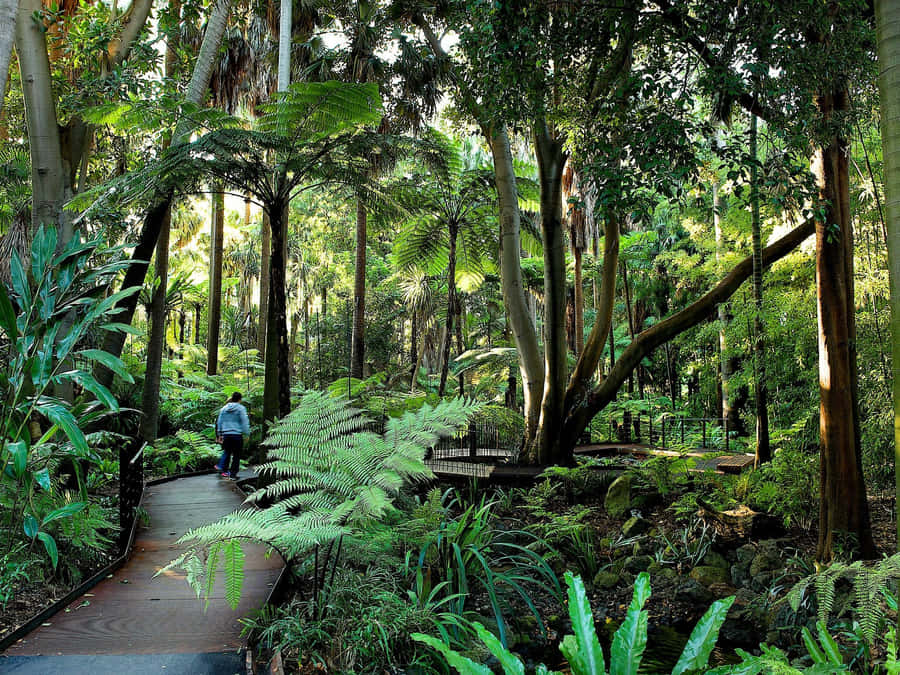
x=8, y=16
x=149, y=426
x=277, y=389
x=887, y=17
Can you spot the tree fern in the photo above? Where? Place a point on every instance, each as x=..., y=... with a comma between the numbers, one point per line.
x=329, y=477
x=869, y=583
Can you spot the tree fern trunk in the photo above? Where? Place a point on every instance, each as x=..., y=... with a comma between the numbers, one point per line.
x=277, y=386
x=264, y=273
x=358, y=338
x=216, y=240
x=451, y=308
x=149, y=426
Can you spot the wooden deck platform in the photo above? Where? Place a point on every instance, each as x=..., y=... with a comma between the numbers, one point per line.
x=133, y=613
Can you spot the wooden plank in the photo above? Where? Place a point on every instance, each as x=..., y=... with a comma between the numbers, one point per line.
x=161, y=615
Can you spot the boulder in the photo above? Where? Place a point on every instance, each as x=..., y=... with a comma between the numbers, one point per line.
x=618, y=497
x=713, y=559
x=606, y=580
x=709, y=575
x=638, y=563
x=696, y=592
x=765, y=561
x=635, y=526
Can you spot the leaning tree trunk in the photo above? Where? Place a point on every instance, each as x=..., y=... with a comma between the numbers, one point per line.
x=842, y=504
x=763, y=451
x=358, y=338
x=887, y=15
x=7, y=37
x=114, y=341
x=149, y=426
x=451, y=308
x=216, y=245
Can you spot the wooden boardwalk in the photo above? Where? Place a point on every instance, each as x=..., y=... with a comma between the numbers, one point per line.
x=133, y=613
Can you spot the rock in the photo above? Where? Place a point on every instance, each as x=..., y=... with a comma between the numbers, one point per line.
x=709, y=575
x=713, y=559
x=635, y=526
x=721, y=590
x=618, y=497
x=745, y=553
x=764, y=561
x=740, y=574
x=606, y=580
x=655, y=569
x=638, y=563
x=695, y=592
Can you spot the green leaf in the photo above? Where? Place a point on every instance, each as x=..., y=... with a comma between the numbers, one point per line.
x=118, y=327
x=30, y=526
x=234, y=572
x=42, y=478
x=50, y=544
x=583, y=652
x=7, y=315
x=63, y=512
x=463, y=665
x=511, y=664
x=818, y=656
x=19, y=453
x=703, y=638
x=19, y=280
x=828, y=644
x=630, y=640
x=63, y=418
x=108, y=360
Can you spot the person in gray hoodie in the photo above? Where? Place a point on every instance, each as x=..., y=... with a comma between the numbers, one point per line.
x=232, y=425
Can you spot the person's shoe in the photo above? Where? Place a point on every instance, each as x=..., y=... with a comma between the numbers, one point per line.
x=217, y=467
x=225, y=474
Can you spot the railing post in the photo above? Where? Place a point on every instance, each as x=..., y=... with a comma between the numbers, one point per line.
x=473, y=440
x=682, y=431
x=650, y=429
x=704, y=433
x=725, y=424
x=664, y=432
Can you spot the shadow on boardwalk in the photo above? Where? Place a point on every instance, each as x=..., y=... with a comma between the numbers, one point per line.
x=131, y=613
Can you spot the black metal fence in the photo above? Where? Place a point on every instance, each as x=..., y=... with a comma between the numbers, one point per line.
x=665, y=431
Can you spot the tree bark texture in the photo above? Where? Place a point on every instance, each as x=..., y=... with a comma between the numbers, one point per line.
x=531, y=364
x=149, y=426
x=8, y=16
x=264, y=274
x=887, y=17
x=216, y=245
x=842, y=504
x=763, y=451
x=358, y=337
x=277, y=388
x=451, y=307
x=544, y=448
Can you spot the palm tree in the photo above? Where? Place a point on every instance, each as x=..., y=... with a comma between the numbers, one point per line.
x=454, y=199
x=308, y=131
x=8, y=21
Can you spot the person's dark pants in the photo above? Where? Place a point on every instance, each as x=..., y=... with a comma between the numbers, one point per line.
x=232, y=445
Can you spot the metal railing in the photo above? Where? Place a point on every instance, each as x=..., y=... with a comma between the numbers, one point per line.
x=131, y=486
x=666, y=431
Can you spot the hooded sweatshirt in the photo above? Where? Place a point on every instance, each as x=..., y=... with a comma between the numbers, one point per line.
x=233, y=420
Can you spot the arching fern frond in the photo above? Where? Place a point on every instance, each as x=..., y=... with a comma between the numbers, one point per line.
x=331, y=477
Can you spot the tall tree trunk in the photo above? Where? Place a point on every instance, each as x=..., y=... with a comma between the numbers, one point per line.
x=451, y=307
x=579, y=302
x=198, y=314
x=277, y=389
x=113, y=342
x=216, y=241
x=358, y=338
x=531, y=364
x=551, y=158
x=887, y=15
x=7, y=37
x=763, y=452
x=40, y=115
x=843, y=505
x=149, y=426
x=413, y=347
x=264, y=273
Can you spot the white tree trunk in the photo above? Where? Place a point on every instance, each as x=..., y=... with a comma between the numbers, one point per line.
x=7, y=37
x=284, y=45
x=887, y=16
